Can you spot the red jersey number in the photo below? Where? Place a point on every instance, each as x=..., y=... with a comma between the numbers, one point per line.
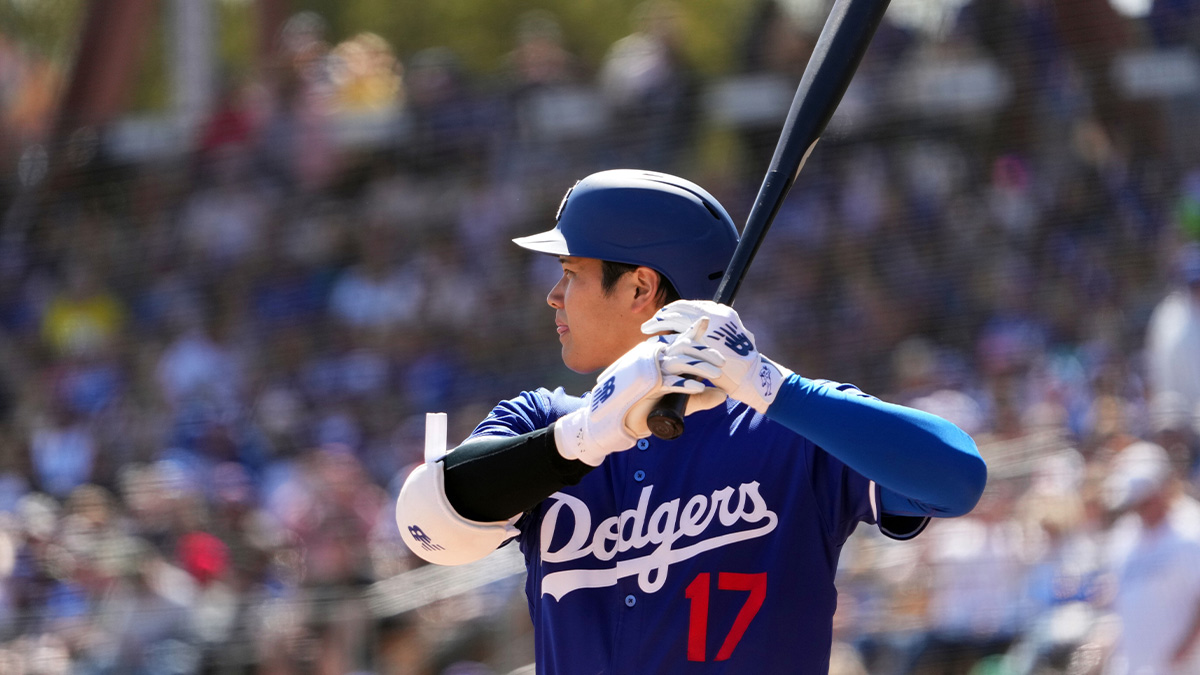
x=698, y=593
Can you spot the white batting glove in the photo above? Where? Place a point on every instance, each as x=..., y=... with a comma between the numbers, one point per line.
x=714, y=333
x=615, y=415
x=686, y=356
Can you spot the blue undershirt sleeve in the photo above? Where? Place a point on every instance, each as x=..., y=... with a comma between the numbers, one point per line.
x=925, y=464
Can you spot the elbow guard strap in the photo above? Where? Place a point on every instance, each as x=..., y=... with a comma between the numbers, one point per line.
x=434, y=530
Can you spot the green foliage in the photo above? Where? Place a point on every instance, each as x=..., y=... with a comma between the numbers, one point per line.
x=150, y=91
x=713, y=33
x=237, y=37
x=481, y=32
x=47, y=28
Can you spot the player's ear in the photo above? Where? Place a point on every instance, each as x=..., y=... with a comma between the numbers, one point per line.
x=645, y=289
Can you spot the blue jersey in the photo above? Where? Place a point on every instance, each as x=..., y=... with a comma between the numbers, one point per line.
x=715, y=552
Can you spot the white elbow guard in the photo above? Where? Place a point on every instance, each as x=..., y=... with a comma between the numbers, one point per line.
x=432, y=528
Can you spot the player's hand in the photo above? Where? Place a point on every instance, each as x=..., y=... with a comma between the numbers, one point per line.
x=714, y=333
x=625, y=393
x=687, y=361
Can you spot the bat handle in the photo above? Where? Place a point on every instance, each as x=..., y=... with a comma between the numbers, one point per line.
x=666, y=420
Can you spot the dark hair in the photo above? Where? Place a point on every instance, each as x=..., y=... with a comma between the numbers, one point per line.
x=611, y=271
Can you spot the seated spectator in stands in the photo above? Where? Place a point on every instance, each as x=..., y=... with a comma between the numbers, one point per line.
x=62, y=451
x=651, y=89
x=380, y=292
x=85, y=317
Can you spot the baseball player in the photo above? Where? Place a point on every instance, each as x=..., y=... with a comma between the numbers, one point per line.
x=714, y=552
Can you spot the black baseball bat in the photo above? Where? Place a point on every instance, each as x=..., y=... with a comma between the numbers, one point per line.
x=843, y=41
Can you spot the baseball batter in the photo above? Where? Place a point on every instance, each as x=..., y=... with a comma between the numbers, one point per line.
x=714, y=552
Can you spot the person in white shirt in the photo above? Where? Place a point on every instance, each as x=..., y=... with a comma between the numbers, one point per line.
x=1173, y=335
x=1154, y=557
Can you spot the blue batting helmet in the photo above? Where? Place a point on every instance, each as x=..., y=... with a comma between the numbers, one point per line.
x=645, y=218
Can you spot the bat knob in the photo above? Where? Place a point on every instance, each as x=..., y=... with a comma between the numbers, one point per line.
x=666, y=421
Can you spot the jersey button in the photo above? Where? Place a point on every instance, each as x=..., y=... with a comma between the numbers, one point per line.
x=630, y=601
x=643, y=444
x=639, y=476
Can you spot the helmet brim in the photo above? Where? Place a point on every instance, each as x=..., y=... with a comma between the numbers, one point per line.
x=550, y=241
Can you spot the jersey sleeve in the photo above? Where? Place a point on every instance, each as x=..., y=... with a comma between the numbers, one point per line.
x=529, y=411
x=847, y=498
x=842, y=495
x=865, y=493
x=895, y=515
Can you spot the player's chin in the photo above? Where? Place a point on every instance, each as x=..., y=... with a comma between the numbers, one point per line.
x=569, y=362
x=576, y=362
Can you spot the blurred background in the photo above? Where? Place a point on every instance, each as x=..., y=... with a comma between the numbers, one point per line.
x=247, y=244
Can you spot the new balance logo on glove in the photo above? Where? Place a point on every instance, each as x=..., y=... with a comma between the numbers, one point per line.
x=735, y=339
x=601, y=394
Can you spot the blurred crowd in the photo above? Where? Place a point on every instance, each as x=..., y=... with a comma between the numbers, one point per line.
x=214, y=368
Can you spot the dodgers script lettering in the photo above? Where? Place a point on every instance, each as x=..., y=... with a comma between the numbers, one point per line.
x=656, y=532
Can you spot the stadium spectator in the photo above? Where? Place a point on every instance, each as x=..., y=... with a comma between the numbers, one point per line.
x=651, y=89
x=1173, y=334
x=209, y=378
x=1154, y=557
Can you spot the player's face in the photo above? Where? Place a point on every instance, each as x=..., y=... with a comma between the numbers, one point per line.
x=595, y=328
